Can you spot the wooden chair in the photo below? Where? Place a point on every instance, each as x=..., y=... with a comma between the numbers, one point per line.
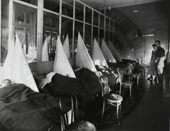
x=126, y=83
x=110, y=98
x=69, y=117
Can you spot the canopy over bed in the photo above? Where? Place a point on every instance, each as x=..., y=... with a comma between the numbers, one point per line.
x=83, y=58
x=66, y=47
x=97, y=55
x=16, y=67
x=61, y=63
x=106, y=52
x=114, y=52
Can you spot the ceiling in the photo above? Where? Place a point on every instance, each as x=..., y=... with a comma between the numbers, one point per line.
x=99, y=4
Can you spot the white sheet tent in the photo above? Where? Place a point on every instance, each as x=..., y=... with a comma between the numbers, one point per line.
x=16, y=67
x=61, y=63
x=114, y=52
x=66, y=47
x=97, y=55
x=83, y=58
x=45, y=55
x=106, y=52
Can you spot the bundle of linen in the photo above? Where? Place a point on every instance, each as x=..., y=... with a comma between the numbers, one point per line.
x=22, y=109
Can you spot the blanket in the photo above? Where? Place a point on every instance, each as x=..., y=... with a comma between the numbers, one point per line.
x=22, y=109
x=85, y=86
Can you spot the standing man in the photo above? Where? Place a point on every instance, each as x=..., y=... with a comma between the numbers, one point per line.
x=160, y=57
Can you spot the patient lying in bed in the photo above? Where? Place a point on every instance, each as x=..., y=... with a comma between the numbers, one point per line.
x=22, y=109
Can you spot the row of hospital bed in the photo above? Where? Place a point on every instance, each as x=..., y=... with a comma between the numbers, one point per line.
x=66, y=94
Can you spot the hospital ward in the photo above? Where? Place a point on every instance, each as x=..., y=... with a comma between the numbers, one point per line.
x=84, y=65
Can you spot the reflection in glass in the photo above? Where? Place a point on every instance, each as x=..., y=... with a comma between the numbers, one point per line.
x=88, y=15
x=51, y=28
x=79, y=11
x=67, y=7
x=53, y=5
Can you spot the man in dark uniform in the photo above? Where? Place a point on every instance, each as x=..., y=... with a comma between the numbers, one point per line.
x=160, y=57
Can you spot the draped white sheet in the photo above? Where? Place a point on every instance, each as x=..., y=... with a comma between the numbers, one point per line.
x=7, y=67
x=19, y=71
x=114, y=52
x=61, y=63
x=66, y=47
x=45, y=55
x=83, y=58
x=106, y=52
x=97, y=55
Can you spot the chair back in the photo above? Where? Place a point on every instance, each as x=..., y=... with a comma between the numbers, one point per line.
x=69, y=117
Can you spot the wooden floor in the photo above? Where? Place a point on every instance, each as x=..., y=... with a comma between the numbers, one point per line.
x=151, y=114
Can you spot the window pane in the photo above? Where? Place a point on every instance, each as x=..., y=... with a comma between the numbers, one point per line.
x=19, y=17
x=107, y=23
x=88, y=15
x=67, y=28
x=51, y=29
x=88, y=35
x=107, y=37
x=4, y=30
x=102, y=21
x=95, y=33
x=52, y=5
x=95, y=18
x=78, y=28
x=67, y=7
x=25, y=28
x=101, y=35
x=79, y=11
